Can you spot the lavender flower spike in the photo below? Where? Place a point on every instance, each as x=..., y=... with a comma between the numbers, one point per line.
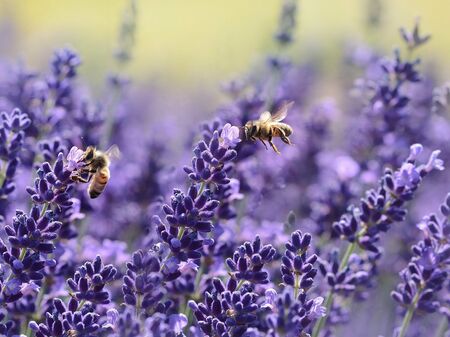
x=424, y=279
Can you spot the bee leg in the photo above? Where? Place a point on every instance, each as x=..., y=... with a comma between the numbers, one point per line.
x=284, y=138
x=273, y=146
x=77, y=178
x=265, y=145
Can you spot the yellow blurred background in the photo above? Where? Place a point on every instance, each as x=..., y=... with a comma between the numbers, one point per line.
x=204, y=42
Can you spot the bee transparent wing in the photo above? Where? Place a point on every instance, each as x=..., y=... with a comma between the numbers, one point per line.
x=282, y=112
x=113, y=152
x=265, y=117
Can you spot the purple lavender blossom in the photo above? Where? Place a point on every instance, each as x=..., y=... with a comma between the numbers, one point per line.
x=12, y=140
x=426, y=275
x=248, y=262
x=385, y=206
x=199, y=267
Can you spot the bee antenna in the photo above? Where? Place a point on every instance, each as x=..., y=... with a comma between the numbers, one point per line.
x=82, y=142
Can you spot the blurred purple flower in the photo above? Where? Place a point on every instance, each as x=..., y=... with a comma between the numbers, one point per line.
x=346, y=167
x=188, y=266
x=317, y=309
x=407, y=176
x=271, y=296
x=434, y=162
x=414, y=151
x=12, y=287
x=177, y=322
x=29, y=288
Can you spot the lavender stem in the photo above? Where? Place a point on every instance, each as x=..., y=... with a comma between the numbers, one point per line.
x=443, y=327
x=329, y=301
x=409, y=314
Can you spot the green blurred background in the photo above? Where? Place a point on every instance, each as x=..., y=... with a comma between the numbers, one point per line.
x=198, y=44
x=204, y=42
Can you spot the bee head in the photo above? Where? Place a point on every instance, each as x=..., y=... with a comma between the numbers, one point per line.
x=246, y=131
x=89, y=154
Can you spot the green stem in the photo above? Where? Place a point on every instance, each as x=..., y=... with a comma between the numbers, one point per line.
x=138, y=305
x=321, y=322
x=181, y=232
x=81, y=305
x=198, y=277
x=23, y=252
x=241, y=282
x=39, y=299
x=296, y=285
x=443, y=327
x=202, y=188
x=350, y=249
x=329, y=301
x=27, y=331
x=3, y=173
x=44, y=209
x=409, y=314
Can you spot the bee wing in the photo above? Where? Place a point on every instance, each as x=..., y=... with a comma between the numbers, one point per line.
x=282, y=112
x=265, y=117
x=113, y=152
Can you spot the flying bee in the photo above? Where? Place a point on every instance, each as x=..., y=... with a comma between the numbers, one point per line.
x=96, y=165
x=269, y=126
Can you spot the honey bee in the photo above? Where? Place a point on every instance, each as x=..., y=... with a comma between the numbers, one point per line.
x=71, y=333
x=96, y=165
x=269, y=126
x=231, y=313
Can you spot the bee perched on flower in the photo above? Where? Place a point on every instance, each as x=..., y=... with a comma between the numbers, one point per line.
x=95, y=164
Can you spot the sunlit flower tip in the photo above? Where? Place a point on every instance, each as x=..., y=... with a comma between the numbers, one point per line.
x=423, y=227
x=407, y=175
x=271, y=295
x=317, y=309
x=186, y=267
x=29, y=288
x=434, y=163
x=74, y=159
x=112, y=316
x=229, y=137
x=12, y=287
x=414, y=151
x=177, y=322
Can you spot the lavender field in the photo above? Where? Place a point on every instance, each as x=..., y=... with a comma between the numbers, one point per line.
x=298, y=204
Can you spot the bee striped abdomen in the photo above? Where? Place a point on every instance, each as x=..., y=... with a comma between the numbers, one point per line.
x=98, y=182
